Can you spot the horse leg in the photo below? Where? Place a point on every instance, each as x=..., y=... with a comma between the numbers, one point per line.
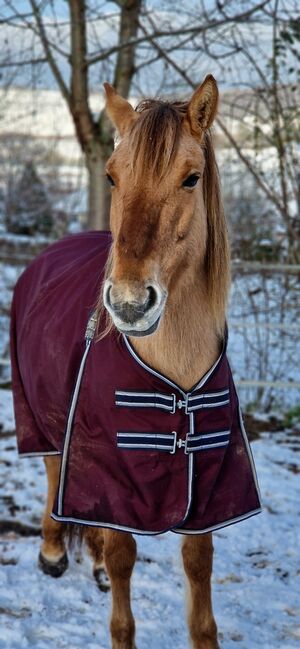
x=53, y=558
x=197, y=553
x=95, y=542
x=119, y=560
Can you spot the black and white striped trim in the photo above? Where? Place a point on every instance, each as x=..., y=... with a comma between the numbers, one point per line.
x=215, y=399
x=168, y=441
x=149, y=441
x=207, y=441
x=168, y=402
x=146, y=400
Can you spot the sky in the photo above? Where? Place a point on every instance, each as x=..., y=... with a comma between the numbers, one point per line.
x=20, y=44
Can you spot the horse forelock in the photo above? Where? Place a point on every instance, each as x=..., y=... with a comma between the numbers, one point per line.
x=155, y=136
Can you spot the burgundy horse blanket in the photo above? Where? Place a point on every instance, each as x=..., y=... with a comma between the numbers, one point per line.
x=138, y=453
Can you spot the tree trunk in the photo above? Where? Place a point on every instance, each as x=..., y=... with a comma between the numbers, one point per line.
x=98, y=191
x=96, y=138
x=99, y=149
x=129, y=21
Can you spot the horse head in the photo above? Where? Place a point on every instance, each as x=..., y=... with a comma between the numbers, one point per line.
x=166, y=217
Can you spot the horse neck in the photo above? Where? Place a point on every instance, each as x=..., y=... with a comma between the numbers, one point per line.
x=186, y=343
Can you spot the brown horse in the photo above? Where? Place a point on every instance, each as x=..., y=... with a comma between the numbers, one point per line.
x=166, y=288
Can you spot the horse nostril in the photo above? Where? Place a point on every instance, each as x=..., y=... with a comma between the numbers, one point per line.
x=152, y=297
x=130, y=303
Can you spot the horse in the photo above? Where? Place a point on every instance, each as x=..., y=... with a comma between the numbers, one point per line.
x=162, y=280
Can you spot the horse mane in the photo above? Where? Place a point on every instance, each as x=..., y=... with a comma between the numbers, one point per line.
x=154, y=142
x=217, y=257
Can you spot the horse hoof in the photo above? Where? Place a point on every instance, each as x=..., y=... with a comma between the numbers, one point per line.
x=101, y=579
x=54, y=569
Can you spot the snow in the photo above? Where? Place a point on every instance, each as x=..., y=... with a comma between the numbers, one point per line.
x=7, y=422
x=256, y=590
x=264, y=337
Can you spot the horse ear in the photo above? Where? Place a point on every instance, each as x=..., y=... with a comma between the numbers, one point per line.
x=202, y=106
x=119, y=110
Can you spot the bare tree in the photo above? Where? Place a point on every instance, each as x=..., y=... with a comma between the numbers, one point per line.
x=94, y=134
x=65, y=41
x=257, y=56
x=269, y=115
x=92, y=43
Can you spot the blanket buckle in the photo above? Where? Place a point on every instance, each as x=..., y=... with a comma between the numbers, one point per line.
x=183, y=403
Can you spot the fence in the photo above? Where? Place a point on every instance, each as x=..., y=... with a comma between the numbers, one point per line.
x=264, y=329
x=264, y=321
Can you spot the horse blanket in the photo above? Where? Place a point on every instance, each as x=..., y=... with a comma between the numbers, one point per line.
x=138, y=452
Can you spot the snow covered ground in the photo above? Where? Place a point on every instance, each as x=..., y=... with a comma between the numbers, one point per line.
x=256, y=582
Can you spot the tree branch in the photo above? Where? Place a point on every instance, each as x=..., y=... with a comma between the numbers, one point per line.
x=198, y=29
x=13, y=64
x=271, y=195
x=48, y=53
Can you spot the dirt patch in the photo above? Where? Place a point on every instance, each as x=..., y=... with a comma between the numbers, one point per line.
x=255, y=427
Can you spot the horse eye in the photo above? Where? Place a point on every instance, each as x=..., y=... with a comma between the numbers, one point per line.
x=110, y=180
x=191, y=181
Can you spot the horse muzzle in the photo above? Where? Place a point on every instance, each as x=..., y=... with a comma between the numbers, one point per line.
x=135, y=307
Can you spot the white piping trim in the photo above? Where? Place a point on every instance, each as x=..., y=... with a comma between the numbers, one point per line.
x=146, y=434
x=164, y=378
x=143, y=394
x=112, y=526
x=142, y=404
x=209, y=395
x=206, y=446
x=40, y=454
x=230, y=521
x=216, y=404
x=149, y=369
x=158, y=447
x=207, y=375
x=190, y=470
x=206, y=435
x=176, y=530
x=69, y=428
x=248, y=448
